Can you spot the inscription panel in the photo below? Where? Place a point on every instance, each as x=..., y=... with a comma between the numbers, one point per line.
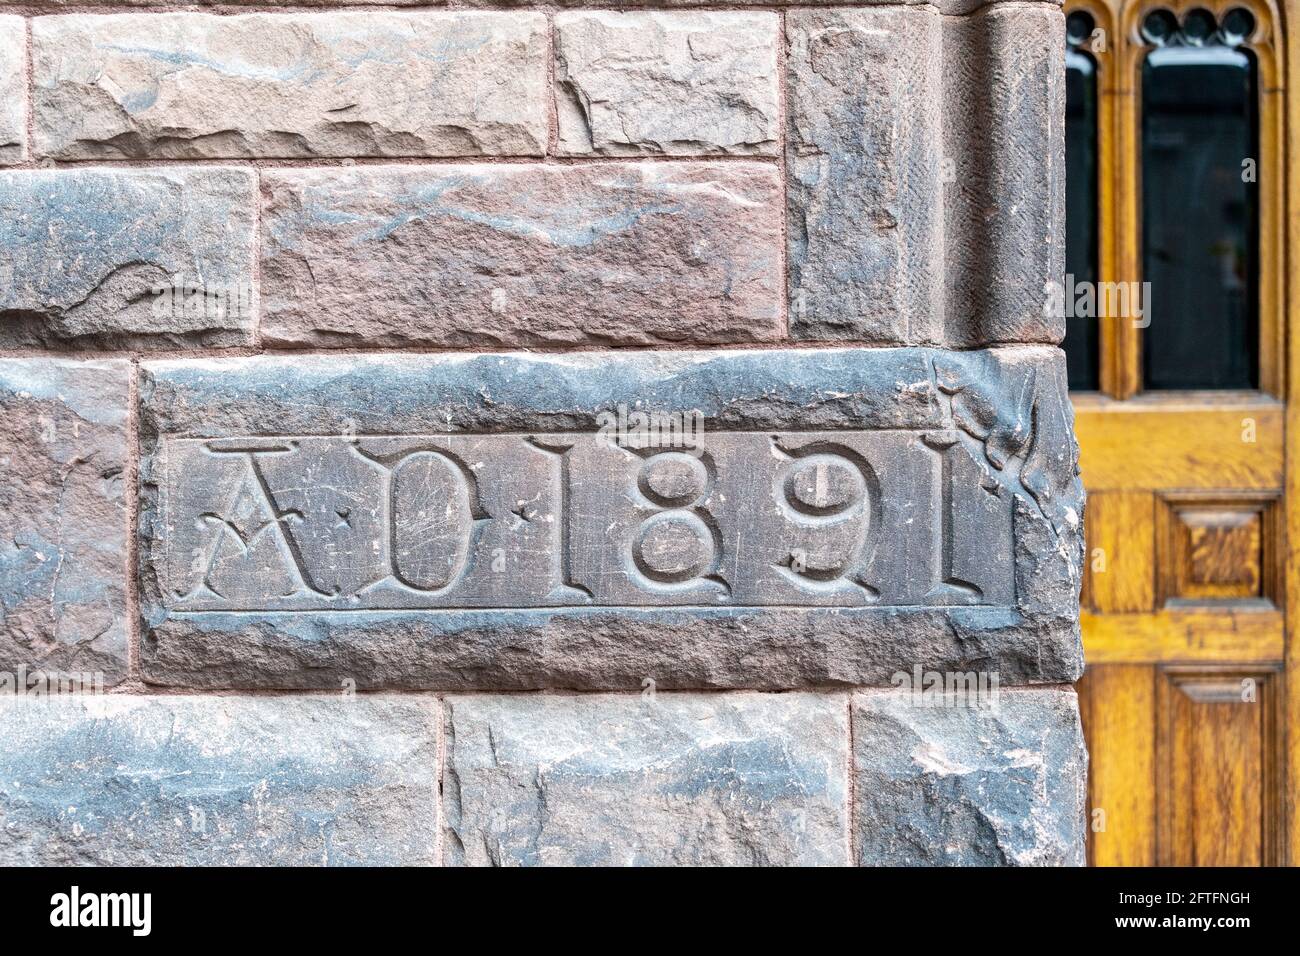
x=894, y=518
x=811, y=517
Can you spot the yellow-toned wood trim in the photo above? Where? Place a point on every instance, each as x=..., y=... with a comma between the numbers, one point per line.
x=1181, y=441
x=1127, y=373
x=1120, y=572
x=1119, y=179
x=1104, y=14
x=1117, y=704
x=1177, y=845
x=1192, y=635
x=1290, y=851
x=1272, y=198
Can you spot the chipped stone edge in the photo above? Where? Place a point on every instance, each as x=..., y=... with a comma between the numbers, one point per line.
x=1024, y=417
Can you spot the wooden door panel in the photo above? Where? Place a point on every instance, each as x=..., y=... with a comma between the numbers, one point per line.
x=1184, y=527
x=1218, y=768
x=1186, y=764
x=1117, y=703
x=1120, y=530
x=1183, y=600
x=1220, y=550
x=1219, y=556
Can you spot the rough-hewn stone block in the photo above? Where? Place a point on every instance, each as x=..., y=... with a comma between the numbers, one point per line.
x=132, y=5
x=1004, y=211
x=332, y=84
x=498, y=521
x=926, y=164
x=129, y=780
x=90, y=256
x=662, y=779
x=669, y=83
x=13, y=93
x=946, y=785
x=522, y=254
x=944, y=6
x=863, y=153
x=63, y=562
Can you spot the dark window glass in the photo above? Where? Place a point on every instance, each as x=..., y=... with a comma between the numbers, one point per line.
x=1081, y=332
x=1199, y=214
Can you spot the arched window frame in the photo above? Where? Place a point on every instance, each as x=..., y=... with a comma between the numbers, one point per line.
x=1119, y=226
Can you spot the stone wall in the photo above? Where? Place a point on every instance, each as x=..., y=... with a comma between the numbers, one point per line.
x=504, y=433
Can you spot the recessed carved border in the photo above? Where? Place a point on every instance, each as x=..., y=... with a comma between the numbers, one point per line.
x=1174, y=587
x=1001, y=415
x=1181, y=685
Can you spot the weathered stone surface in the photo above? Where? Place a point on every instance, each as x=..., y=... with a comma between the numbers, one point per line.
x=944, y=6
x=137, y=4
x=1004, y=212
x=863, y=151
x=63, y=562
x=664, y=779
x=377, y=83
x=88, y=256
x=129, y=780
x=849, y=513
x=522, y=254
x=948, y=7
x=927, y=174
x=667, y=83
x=956, y=785
x=13, y=95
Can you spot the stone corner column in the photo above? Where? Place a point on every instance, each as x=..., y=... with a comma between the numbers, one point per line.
x=925, y=205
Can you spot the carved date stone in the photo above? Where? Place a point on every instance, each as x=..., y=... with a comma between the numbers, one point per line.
x=725, y=519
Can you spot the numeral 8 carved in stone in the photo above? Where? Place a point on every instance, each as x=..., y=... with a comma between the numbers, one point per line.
x=678, y=544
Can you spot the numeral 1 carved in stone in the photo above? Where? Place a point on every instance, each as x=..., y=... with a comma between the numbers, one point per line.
x=566, y=587
x=972, y=527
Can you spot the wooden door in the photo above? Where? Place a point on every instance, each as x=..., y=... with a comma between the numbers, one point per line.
x=1189, y=578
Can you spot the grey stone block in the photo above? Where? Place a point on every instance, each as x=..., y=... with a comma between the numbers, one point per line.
x=926, y=158
x=944, y=6
x=663, y=779
x=969, y=786
x=506, y=254
x=378, y=83
x=667, y=83
x=13, y=89
x=126, y=257
x=864, y=157
x=133, y=5
x=63, y=554
x=481, y=522
x=1004, y=211
x=131, y=780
